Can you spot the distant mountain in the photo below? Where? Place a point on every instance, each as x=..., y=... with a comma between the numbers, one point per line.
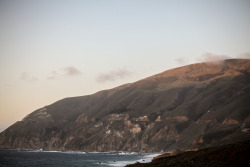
x=191, y=107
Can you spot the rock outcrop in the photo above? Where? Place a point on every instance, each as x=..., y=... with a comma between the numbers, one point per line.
x=190, y=107
x=228, y=155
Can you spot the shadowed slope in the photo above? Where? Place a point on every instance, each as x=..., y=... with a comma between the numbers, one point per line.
x=194, y=106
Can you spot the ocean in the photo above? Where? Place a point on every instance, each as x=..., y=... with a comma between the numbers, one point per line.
x=20, y=158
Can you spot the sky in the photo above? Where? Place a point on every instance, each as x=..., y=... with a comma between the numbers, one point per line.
x=52, y=49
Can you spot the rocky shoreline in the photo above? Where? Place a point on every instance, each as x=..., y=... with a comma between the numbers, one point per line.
x=228, y=155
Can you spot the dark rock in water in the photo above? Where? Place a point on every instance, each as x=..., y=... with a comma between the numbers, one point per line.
x=227, y=155
x=190, y=107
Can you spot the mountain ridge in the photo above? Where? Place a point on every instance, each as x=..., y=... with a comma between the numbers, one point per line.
x=188, y=107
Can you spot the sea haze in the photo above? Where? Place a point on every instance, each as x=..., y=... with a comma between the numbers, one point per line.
x=12, y=158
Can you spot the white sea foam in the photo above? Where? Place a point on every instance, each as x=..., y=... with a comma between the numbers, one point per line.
x=144, y=159
x=148, y=158
x=52, y=151
x=73, y=152
x=121, y=163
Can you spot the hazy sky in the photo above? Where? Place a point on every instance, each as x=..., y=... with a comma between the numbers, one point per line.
x=52, y=49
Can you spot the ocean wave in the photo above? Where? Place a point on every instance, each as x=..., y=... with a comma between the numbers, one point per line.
x=143, y=159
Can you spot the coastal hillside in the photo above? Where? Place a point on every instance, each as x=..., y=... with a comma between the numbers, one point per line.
x=191, y=107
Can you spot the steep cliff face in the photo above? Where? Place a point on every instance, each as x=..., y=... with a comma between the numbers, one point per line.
x=190, y=107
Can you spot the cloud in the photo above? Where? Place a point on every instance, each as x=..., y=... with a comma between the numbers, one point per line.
x=66, y=71
x=244, y=56
x=71, y=71
x=113, y=75
x=213, y=58
x=27, y=77
x=24, y=76
x=53, y=75
x=51, y=78
x=181, y=61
